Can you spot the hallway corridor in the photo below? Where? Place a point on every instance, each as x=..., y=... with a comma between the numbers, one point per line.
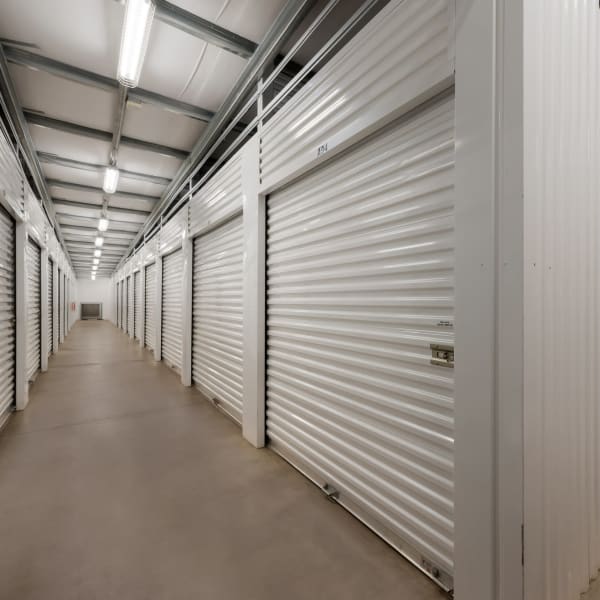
x=119, y=483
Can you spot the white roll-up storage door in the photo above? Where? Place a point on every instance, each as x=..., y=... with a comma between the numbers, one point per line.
x=34, y=309
x=7, y=313
x=130, y=305
x=118, y=306
x=50, y=301
x=137, y=304
x=360, y=275
x=150, y=300
x=172, y=300
x=64, y=306
x=217, y=316
x=59, y=310
x=123, y=304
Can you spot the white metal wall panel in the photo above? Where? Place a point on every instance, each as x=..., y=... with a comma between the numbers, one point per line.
x=219, y=198
x=118, y=304
x=11, y=174
x=137, y=303
x=217, y=316
x=360, y=273
x=123, y=299
x=172, y=232
x=34, y=309
x=7, y=313
x=402, y=54
x=150, y=301
x=561, y=300
x=172, y=309
x=50, y=300
x=130, y=305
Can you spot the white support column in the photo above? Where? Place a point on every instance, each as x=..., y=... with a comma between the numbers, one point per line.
x=188, y=269
x=142, y=314
x=44, y=309
x=489, y=285
x=253, y=419
x=55, y=303
x=21, y=383
x=158, y=310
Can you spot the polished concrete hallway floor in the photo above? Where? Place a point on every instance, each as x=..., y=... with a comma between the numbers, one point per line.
x=119, y=483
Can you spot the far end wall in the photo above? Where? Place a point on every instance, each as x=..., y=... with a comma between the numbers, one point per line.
x=95, y=291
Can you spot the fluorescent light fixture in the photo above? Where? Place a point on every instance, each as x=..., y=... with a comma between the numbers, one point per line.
x=95, y=268
x=93, y=276
x=134, y=40
x=103, y=223
x=99, y=241
x=111, y=179
x=98, y=253
x=96, y=261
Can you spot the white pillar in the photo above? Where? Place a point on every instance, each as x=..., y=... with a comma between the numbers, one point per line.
x=158, y=309
x=130, y=326
x=142, y=315
x=21, y=383
x=188, y=268
x=44, y=308
x=253, y=418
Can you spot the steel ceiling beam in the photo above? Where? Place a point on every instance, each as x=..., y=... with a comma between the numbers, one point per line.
x=205, y=30
x=276, y=37
x=93, y=229
x=34, y=118
x=91, y=221
x=15, y=114
x=53, y=159
x=65, y=202
x=24, y=58
x=79, y=187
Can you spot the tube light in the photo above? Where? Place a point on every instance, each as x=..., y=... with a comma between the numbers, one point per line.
x=98, y=253
x=96, y=261
x=99, y=241
x=103, y=223
x=134, y=40
x=93, y=276
x=95, y=268
x=111, y=179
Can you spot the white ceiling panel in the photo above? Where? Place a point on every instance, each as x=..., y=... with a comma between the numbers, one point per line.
x=85, y=34
x=141, y=161
x=63, y=99
x=68, y=145
x=153, y=124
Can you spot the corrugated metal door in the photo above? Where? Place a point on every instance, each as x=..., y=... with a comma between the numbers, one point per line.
x=59, y=311
x=118, y=305
x=172, y=299
x=360, y=277
x=50, y=301
x=217, y=316
x=7, y=313
x=64, y=306
x=137, y=304
x=130, y=306
x=34, y=309
x=150, y=291
x=123, y=304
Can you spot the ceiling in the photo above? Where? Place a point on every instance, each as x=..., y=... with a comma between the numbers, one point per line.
x=71, y=121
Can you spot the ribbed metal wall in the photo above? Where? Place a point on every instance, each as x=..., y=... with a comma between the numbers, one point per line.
x=50, y=301
x=562, y=297
x=403, y=52
x=130, y=305
x=137, y=303
x=118, y=304
x=34, y=309
x=217, y=316
x=123, y=307
x=172, y=309
x=219, y=198
x=7, y=312
x=360, y=274
x=150, y=301
x=172, y=232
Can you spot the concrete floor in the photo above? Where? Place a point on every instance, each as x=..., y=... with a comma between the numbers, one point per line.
x=119, y=483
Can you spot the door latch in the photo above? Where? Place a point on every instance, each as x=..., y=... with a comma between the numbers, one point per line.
x=442, y=355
